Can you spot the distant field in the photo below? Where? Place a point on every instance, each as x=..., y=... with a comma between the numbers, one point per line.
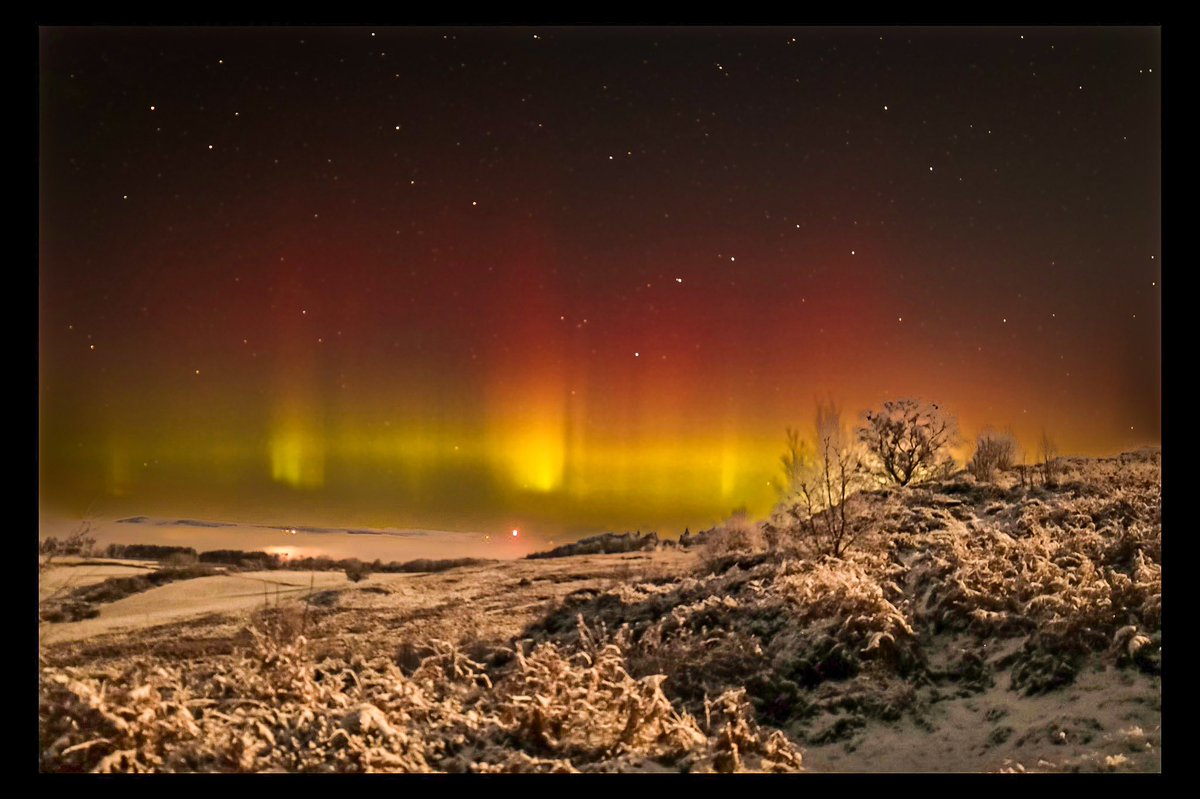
x=205, y=595
x=73, y=572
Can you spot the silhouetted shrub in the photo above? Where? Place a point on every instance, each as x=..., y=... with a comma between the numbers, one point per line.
x=1049, y=455
x=908, y=441
x=993, y=451
x=356, y=570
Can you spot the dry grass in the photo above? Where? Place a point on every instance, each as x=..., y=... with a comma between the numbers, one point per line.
x=737, y=534
x=677, y=672
x=1053, y=577
x=272, y=707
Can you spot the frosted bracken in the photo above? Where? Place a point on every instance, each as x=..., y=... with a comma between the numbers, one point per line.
x=982, y=605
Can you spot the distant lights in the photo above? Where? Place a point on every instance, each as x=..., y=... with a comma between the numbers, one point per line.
x=515, y=533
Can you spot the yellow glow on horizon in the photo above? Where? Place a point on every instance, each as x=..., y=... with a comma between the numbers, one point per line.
x=536, y=460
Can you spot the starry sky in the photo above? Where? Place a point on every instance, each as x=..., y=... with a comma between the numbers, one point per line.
x=576, y=279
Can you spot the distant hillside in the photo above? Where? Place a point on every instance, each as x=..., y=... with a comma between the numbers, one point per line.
x=604, y=544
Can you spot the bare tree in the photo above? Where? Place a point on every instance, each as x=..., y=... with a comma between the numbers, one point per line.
x=1025, y=473
x=908, y=441
x=1048, y=452
x=79, y=542
x=993, y=451
x=818, y=485
x=792, y=460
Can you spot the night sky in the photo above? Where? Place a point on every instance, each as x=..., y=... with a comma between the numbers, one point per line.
x=576, y=279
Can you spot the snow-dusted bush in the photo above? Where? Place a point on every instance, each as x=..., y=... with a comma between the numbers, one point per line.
x=908, y=441
x=739, y=534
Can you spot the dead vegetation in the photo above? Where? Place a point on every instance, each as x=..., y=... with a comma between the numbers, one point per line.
x=957, y=587
x=1030, y=585
x=273, y=707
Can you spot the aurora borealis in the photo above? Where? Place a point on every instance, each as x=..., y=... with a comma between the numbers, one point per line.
x=574, y=279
